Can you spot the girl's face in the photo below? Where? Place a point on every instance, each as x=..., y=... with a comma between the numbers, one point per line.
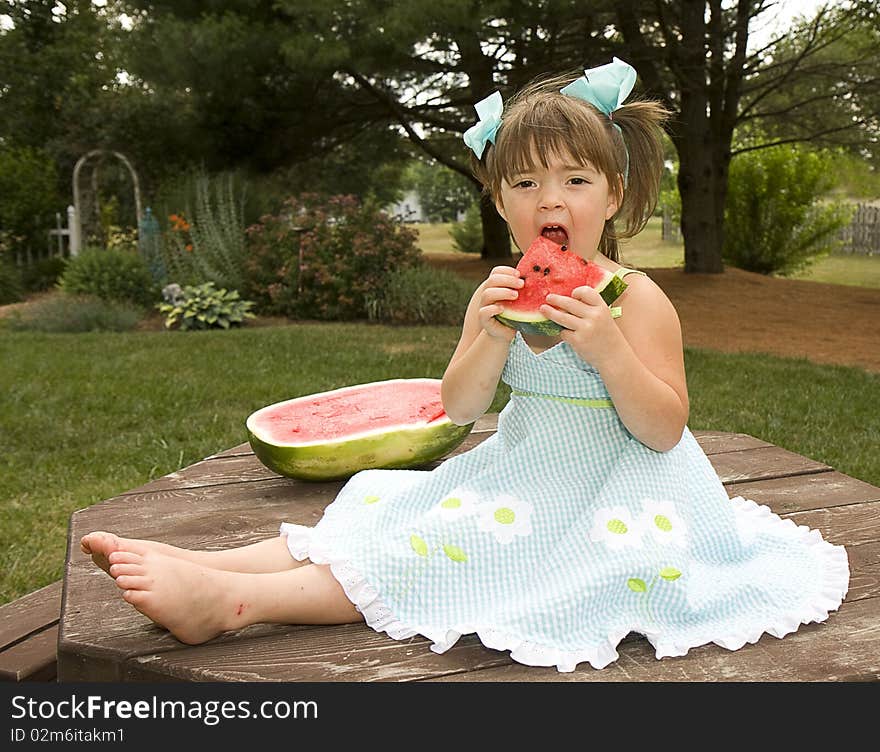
x=567, y=203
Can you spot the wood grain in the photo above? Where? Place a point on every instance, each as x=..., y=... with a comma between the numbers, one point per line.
x=31, y=660
x=31, y=613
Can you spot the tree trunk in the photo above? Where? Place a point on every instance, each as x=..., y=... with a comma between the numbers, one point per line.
x=702, y=183
x=479, y=69
x=699, y=173
x=496, y=236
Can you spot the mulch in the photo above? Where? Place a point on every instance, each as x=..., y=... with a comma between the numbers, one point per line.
x=740, y=311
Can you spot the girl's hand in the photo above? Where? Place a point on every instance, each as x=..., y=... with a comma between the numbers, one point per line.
x=502, y=284
x=589, y=328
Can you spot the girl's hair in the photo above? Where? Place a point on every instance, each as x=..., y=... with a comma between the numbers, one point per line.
x=540, y=121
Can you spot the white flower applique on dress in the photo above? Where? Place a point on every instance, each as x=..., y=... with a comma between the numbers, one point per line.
x=505, y=517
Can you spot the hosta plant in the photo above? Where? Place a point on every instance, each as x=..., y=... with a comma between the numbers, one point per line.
x=204, y=307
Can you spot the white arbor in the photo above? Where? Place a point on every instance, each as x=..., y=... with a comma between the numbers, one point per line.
x=76, y=225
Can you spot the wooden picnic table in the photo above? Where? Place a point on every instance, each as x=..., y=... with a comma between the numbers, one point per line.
x=231, y=499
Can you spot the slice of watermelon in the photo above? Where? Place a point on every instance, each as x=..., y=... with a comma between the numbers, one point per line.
x=396, y=423
x=550, y=268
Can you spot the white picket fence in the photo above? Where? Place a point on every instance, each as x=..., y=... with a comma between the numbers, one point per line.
x=60, y=242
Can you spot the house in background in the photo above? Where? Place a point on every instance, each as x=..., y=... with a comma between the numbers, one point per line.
x=409, y=208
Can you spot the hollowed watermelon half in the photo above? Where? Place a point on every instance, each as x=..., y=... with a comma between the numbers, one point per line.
x=546, y=268
x=399, y=423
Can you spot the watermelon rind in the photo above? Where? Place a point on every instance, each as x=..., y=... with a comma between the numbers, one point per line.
x=397, y=447
x=529, y=323
x=535, y=323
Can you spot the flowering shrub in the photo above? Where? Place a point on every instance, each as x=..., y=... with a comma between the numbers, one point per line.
x=206, y=243
x=321, y=256
x=177, y=224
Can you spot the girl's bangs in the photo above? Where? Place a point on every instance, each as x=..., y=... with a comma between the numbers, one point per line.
x=561, y=132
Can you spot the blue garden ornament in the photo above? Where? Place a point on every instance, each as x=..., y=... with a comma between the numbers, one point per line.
x=606, y=87
x=489, y=111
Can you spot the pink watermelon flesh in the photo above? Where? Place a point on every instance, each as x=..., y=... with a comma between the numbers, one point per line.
x=547, y=267
x=356, y=410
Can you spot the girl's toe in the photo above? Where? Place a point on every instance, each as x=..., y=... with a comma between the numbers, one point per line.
x=125, y=557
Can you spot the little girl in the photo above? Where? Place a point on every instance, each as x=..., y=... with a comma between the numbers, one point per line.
x=592, y=512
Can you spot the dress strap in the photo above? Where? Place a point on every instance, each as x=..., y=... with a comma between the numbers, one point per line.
x=623, y=271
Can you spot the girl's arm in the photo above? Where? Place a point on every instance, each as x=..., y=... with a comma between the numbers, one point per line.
x=474, y=370
x=645, y=374
x=639, y=356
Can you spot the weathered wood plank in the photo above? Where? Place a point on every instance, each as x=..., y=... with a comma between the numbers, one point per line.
x=763, y=463
x=716, y=442
x=349, y=652
x=217, y=510
x=843, y=648
x=802, y=492
x=244, y=468
x=30, y=613
x=864, y=568
x=852, y=525
x=33, y=659
x=237, y=450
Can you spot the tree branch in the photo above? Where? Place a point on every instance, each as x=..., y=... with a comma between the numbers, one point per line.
x=812, y=137
x=401, y=116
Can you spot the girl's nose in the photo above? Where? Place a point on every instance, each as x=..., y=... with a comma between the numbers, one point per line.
x=550, y=198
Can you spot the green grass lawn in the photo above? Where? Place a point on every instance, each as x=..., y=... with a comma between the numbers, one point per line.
x=85, y=417
x=648, y=250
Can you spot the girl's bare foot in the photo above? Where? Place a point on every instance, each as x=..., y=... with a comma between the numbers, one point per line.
x=270, y=555
x=193, y=602
x=196, y=603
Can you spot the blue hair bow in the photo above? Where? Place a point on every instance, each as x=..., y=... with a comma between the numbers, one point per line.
x=489, y=111
x=606, y=87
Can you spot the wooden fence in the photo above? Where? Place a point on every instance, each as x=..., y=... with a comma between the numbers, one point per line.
x=862, y=235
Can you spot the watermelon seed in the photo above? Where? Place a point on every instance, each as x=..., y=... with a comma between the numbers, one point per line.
x=536, y=268
x=546, y=271
x=565, y=248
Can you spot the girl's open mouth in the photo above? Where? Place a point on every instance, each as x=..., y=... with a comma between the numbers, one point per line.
x=557, y=233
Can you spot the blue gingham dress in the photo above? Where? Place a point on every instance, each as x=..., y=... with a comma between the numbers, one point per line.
x=562, y=533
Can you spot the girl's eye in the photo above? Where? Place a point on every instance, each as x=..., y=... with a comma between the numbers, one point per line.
x=524, y=184
x=580, y=181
